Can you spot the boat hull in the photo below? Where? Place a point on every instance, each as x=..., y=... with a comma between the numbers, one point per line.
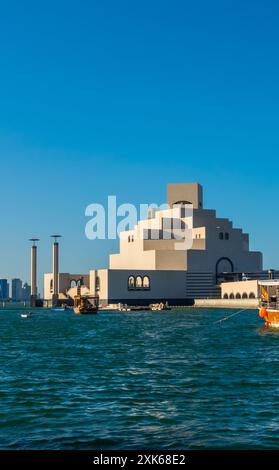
x=271, y=317
x=80, y=311
x=86, y=304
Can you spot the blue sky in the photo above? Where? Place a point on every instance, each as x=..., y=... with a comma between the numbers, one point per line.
x=122, y=97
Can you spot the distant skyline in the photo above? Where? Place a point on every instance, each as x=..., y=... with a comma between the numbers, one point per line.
x=121, y=98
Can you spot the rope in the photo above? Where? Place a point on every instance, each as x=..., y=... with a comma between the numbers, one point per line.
x=233, y=315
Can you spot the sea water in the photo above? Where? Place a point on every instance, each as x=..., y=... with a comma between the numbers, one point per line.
x=160, y=380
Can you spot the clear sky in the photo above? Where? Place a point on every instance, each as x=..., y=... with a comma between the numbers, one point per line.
x=121, y=97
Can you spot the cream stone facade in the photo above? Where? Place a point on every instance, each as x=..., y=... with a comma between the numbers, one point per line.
x=240, y=290
x=67, y=285
x=151, y=266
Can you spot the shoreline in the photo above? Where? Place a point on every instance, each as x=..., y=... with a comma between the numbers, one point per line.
x=227, y=303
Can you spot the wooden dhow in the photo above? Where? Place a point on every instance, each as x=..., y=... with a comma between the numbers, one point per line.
x=269, y=302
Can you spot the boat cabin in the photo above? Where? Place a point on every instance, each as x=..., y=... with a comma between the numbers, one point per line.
x=86, y=303
x=269, y=294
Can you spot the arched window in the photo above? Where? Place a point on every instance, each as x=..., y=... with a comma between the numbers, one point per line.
x=131, y=282
x=138, y=282
x=51, y=285
x=221, y=236
x=252, y=295
x=238, y=296
x=129, y=239
x=97, y=283
x=227, y=236
x=73, y=283
x=231, y=296
x=225, y=296
x=223, y=265
x=245, y=295
x=146, y=282
x=181, y=203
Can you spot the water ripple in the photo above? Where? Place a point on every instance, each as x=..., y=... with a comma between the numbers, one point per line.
x=114, y=381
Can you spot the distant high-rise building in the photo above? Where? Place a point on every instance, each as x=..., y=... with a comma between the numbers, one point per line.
x=26, y=292
x=4, y=289
x=16, y=290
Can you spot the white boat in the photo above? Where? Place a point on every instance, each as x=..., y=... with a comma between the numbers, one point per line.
x=124, y=309
x=159, y=306
x=26, y=315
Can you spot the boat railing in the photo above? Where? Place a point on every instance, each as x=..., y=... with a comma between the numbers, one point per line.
x=274, y=305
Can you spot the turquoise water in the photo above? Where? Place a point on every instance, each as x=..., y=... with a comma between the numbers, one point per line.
x=145, y=380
